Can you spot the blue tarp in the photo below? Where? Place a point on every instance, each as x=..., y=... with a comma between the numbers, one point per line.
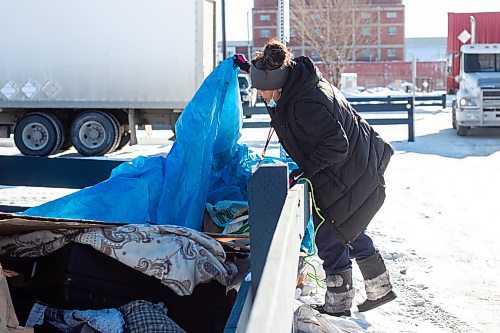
x=205, y=164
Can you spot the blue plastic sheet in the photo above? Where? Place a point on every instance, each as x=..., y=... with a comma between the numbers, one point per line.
x=205, y=161
x=205, y=164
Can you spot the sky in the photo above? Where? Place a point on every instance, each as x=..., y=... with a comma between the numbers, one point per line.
x=424, y=18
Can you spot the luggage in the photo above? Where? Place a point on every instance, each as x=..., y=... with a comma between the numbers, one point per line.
x=80, y=277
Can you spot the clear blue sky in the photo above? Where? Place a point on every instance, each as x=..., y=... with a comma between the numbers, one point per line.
x=424, y=18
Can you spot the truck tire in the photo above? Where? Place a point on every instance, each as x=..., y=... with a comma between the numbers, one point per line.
x=62, y=132
x=95, y=133
x=125, y=138
x=39, y=134
x=462, y=130
x=67, y=144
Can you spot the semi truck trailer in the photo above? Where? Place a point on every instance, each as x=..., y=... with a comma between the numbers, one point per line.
x=86, y=73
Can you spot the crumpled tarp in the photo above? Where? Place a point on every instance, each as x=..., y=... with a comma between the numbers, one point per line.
x=179, y=257
x=205, y=164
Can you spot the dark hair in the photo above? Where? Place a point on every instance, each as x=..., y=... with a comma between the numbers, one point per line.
x=275, y=55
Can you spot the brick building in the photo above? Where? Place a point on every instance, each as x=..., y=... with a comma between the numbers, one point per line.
x=383, y=23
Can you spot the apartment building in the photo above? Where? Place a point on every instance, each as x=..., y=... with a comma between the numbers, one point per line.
x=383, y=25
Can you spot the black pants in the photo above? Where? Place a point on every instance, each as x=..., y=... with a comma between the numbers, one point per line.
x=334, y=254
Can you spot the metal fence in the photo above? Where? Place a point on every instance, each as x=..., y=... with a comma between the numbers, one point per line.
x=389, y=106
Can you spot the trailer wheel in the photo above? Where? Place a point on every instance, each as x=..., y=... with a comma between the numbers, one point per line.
x=125, y=138
x=463, y=130
x=66, y=143
x=95, y=133
x=39, y=134
x=62, y=132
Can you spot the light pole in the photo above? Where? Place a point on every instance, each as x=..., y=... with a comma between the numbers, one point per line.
x=223, y=4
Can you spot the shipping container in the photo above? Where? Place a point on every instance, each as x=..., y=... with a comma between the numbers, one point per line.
x=487, y=31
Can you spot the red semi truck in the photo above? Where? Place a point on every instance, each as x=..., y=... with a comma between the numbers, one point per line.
x=474, y=49
x=487, y=31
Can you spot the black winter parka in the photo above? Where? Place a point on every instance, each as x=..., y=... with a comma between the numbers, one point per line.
x=339, y=152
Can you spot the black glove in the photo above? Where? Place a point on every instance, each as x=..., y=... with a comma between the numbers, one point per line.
x=241, y=62
x=294, y=177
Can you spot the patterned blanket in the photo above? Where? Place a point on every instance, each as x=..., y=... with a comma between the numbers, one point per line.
x=179, y=257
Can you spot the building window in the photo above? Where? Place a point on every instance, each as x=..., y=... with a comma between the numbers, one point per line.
x=392, y=53
x=265, y=17
x=265, y=33
x=366, y=54
x=366, y=31
x=392, y=31
x=366, y=15
x=292, y=33
x=317, y=31
x=391, y=15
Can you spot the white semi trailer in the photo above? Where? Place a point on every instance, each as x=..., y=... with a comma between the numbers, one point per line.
x=85, y=73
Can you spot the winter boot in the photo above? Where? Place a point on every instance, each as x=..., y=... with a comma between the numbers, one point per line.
x=339, y=293
x=377, y=285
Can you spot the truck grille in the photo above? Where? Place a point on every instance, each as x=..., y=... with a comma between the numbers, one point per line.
x=491, y=99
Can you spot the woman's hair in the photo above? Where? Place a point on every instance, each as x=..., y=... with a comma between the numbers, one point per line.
x=275, y=55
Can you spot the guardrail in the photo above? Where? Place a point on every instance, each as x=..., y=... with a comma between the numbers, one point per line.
x=431, y=100
x=278, y=218
x=59, y=172
x=362, y=105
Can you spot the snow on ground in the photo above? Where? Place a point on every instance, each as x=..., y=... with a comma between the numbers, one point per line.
x=438, y=229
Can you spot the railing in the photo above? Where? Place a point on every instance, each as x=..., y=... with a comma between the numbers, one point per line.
x=278, y=217
x=52, y=172
x=384, y=105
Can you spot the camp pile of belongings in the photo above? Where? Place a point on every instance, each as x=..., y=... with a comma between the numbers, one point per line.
x=65, y=274
x=132, y=247
x=165, y=236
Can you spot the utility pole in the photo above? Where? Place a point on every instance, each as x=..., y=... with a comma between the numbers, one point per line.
x=224, y=55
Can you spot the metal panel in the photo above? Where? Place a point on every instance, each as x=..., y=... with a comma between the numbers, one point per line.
x=256, y=124
x=54, y=172
x=114, y=53
x=247, y=110
x=277, y=224
x=366, y=107
x=242, y=307
x=272, y=309
x=267, y=191
x=389, y=121
x=12, y=209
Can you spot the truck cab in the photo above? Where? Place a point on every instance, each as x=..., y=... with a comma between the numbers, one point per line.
x=478, y=97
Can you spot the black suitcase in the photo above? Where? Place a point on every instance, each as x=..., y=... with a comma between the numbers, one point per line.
x=80, y=277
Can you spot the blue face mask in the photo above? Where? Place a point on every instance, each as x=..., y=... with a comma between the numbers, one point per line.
x=272, y=103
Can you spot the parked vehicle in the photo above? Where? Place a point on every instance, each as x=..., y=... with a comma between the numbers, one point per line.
x=478, y=97
x=247, y=92
x=486, y=30
x=86, y=73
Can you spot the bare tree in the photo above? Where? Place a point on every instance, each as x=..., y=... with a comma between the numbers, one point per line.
x=332, y=28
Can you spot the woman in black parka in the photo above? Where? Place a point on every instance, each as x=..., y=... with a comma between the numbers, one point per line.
x=342, y=156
